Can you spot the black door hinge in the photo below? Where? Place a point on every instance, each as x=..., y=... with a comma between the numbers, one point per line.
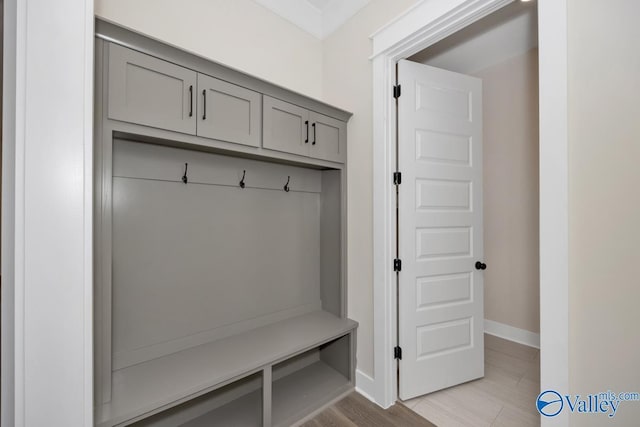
x=397, y=264
x=397, y=178
x=397, y=353
x=396, y=91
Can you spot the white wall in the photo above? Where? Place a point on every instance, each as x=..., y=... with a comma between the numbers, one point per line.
x=604, y=203
x=238, y=33
x=510, y=191
x=347, y=83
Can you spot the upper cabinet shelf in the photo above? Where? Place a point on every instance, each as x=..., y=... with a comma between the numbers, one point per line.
x=228, y=112
x=292, y=129
x=152, y=92
x=328, y=138
x=149, y=91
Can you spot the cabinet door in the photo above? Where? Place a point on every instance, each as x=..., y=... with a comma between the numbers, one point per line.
x=285, y=127
x=228, y=112
x=328, y=138
x=150, y=91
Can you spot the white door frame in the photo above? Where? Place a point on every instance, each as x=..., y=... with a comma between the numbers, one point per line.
x=47, y=203
x=421, y=26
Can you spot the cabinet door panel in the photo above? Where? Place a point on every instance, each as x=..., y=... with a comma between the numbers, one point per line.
x=328, y=138
x=150, y=91
x=285, y=127
x=232, y=113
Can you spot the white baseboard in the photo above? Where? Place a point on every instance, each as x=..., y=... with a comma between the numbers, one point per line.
x=365, y=385
x=511, y=333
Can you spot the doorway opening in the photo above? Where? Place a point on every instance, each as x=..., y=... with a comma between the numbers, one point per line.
x=443, y=284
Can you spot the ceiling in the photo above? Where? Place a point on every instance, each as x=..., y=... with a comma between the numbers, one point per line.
x=506, y=33
x=317, y=17
x=319, y=4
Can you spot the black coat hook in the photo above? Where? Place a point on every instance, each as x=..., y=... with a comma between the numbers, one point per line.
x=286, y=186
x=184, y=177
x=242, y=180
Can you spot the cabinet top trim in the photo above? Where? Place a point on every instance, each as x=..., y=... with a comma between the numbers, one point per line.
x=145, y=44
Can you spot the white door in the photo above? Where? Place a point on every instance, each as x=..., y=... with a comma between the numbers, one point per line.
x=441, y=321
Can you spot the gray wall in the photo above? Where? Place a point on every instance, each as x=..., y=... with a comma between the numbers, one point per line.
x=201, y=261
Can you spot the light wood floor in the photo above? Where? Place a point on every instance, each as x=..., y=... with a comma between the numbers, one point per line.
x=504, y=397
x=355, y=410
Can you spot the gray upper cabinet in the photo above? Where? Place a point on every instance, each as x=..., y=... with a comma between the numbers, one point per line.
x=292, y=129
x=228, y=112
x=150, y=91
x=285, y=127
x=328, y=138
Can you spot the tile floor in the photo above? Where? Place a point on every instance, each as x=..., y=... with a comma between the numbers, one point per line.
x=504, y=397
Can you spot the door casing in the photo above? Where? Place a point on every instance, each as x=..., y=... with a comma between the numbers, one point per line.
x=421, y=26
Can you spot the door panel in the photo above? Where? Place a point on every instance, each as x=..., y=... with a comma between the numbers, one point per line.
x=440, y=305
x=285, y=127
x=229, y=113
x=150, y=91
x=328, y=138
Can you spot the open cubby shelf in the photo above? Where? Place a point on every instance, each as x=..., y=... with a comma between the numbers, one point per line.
x=298, y=394
x=237, y=404
x=245, y=411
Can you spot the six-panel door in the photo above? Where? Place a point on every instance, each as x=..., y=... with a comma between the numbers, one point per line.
x=285, y=127
x=328, y=138
x=150, y=91
x=228, y=112
x=440, y=235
